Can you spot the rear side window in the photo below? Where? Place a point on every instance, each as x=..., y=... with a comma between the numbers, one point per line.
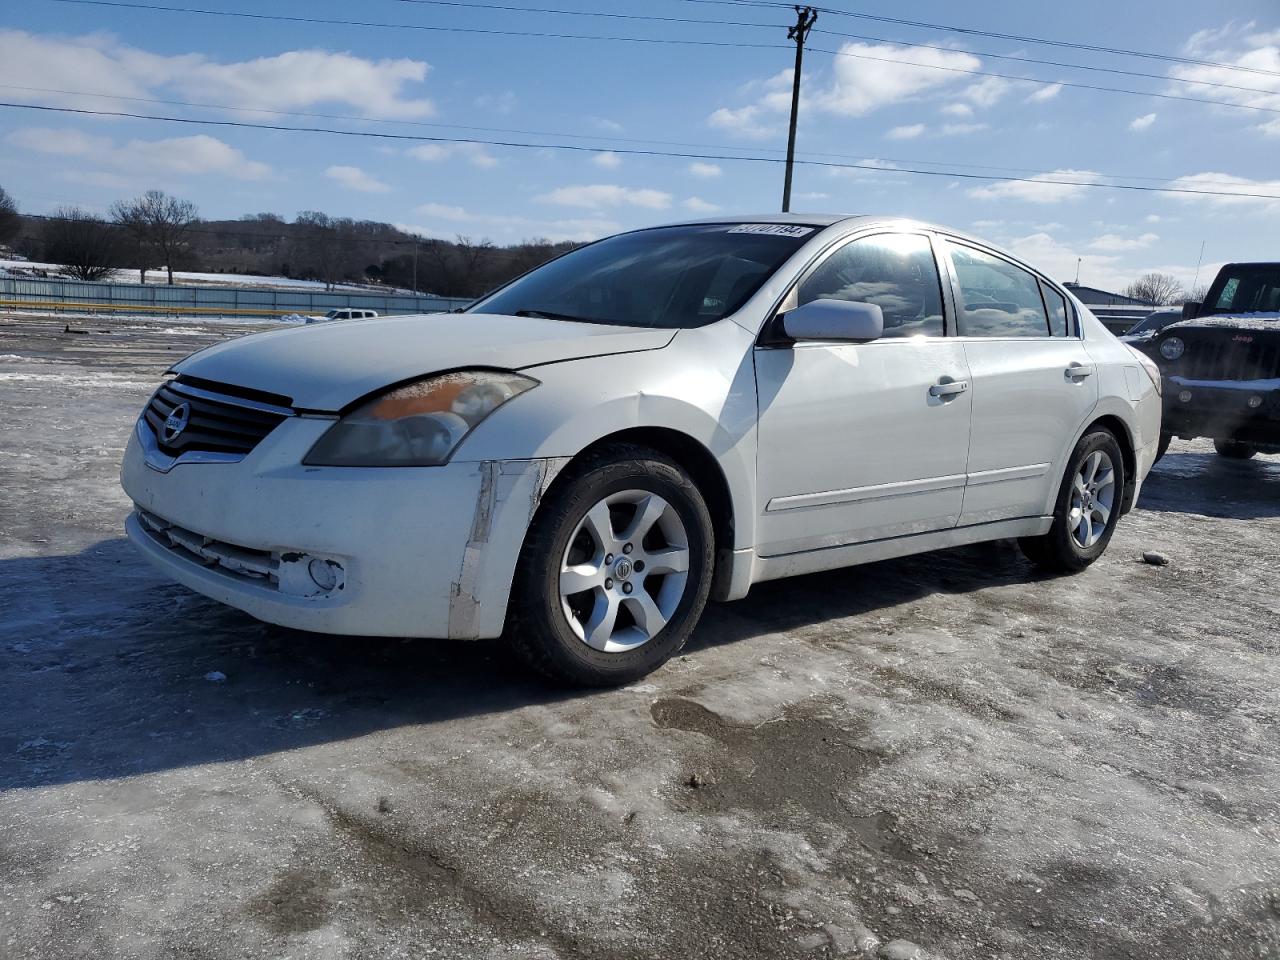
x=997, y=299
x=1059, y=324
x=895, y=271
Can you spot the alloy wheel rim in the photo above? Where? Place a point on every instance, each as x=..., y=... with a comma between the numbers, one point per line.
x=624, y=571
x=1093, y=495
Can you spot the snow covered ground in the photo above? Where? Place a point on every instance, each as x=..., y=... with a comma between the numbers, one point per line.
x=189, y=278
x=945, y=751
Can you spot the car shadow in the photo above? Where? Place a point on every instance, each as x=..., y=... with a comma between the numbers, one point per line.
x=1193, y=481
x=108, y=670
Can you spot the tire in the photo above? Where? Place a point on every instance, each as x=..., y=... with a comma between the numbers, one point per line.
x=1066, y=548
x=1235, y=450
x=1163, y=448
x=566, y=634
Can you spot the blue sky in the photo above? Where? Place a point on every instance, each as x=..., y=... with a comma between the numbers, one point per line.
x=866, y=106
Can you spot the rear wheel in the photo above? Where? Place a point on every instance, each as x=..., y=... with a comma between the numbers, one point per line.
x=1087, y=509
x=615, y=571
x=1234, y=449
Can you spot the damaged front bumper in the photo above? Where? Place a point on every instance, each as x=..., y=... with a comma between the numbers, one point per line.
x=405, y=551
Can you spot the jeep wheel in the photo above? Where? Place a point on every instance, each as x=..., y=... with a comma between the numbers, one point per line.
x=1234, y=449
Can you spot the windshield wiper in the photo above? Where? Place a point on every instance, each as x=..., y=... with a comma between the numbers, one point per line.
x=552, y=315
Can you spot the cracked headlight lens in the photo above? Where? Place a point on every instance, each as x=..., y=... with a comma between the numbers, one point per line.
x=419, y=424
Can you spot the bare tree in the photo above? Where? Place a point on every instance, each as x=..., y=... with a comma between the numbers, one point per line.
x=1197, y=293
x=87, y=246
x=1158, y=288
x=160, y=226
x=10, y=220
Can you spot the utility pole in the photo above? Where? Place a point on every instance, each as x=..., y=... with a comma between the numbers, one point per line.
x=805, y=17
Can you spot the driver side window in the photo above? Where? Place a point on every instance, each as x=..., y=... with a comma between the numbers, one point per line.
x=895, y=271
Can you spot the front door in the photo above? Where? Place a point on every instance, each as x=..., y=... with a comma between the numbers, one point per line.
x=861, y=442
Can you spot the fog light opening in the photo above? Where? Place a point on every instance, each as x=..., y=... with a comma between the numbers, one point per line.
x=1185, y=396
x=324, y=573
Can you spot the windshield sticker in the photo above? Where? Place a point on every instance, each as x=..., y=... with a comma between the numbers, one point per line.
x=772, y=229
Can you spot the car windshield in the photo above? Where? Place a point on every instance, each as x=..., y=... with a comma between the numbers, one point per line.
x=1246, y=289
x=670, y=277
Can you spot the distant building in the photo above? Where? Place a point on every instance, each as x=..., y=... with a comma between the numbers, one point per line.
x=1115, y=310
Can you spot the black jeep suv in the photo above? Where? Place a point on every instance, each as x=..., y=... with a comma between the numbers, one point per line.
x=1221, y=364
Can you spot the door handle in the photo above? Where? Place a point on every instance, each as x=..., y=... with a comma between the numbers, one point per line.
x=946, y=387
x=1078, y=371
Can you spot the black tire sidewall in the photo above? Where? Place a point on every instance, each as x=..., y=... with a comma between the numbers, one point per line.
x=542, y=615
x=1076, y=556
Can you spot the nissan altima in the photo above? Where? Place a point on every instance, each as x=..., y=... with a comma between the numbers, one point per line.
x=583, y=458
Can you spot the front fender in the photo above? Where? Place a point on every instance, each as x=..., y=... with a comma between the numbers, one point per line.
x=702, y=386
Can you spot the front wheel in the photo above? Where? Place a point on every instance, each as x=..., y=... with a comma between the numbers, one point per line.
x=1234, y=449
x=615, y=571
x=1087, y=508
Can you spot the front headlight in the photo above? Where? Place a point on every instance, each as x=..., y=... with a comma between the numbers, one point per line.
x=1172, y=348
x=419, y=424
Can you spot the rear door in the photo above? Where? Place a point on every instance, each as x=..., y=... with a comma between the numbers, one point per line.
x=1033, y=382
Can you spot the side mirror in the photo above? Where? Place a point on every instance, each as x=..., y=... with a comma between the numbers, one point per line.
x=1191, y=309
x=835, y=320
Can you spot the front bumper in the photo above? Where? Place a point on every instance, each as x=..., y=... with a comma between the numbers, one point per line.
x=1247, y=411
x=423, y=551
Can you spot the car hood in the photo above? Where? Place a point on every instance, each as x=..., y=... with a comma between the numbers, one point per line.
x=1259, y=322
x=329, y=366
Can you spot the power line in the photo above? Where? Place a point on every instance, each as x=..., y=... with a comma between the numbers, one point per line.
x=512, y=8
x=123, y=4
x=1018, y=38
x=570, y=136
x=633, y=151
x=485, y=31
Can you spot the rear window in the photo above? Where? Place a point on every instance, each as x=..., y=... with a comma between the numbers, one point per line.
x=1246, y=290
x=997, y=299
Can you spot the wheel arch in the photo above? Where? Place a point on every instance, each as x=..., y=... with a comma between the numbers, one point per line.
x=1124, y=438
x=703, y=468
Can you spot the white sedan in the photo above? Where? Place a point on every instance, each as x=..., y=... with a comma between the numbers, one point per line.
x=583, y=458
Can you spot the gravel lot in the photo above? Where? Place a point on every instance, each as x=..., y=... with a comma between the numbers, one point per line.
x=945, y=750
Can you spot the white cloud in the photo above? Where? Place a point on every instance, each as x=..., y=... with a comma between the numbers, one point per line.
x=1045, y=93
x=958, y=110
x=474, y=153
x=503, y=102
x=296, y=79
x=606, y=195
x=604, y=123
x=1114, y=243
x=1039, y=189
x=608, y=160
x=813, y=196
x=199, y=155
x=987, y=92
x=353, y=178
x=698, y=205
x=1235, y=190
x=1235, y=45
x=705, y=170
x=1142, y=123
x=895, y=74
x=907, y=132
x=1108, y=272
x=960, y=129
x=749, y=122
x=864, y=78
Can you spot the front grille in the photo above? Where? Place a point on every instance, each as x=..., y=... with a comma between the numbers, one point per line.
x=218, y=423
x=1224, y=358
x=259, y=566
